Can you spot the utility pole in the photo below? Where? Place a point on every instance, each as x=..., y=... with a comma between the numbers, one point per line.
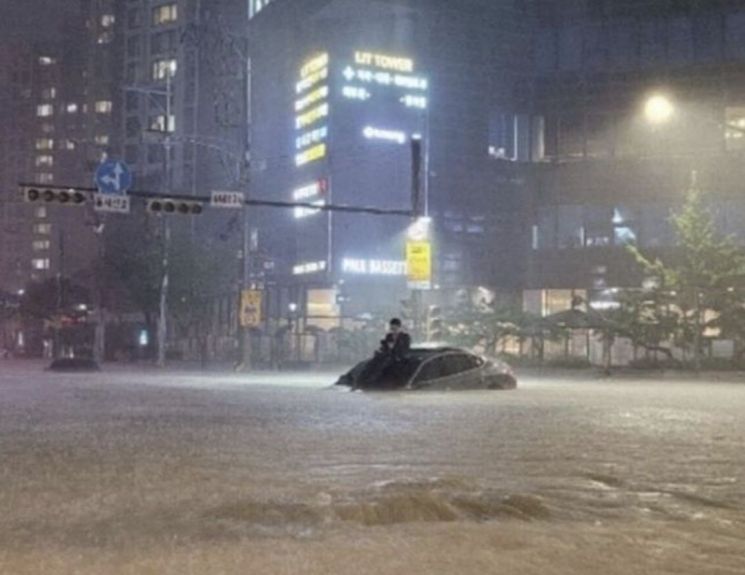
x=417, y=212
x=244, y=338
x=99, y=333
x=57, y=342
x=163, y=312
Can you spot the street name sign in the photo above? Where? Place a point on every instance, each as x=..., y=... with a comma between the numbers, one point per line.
x=111, y=203
x=232, y=200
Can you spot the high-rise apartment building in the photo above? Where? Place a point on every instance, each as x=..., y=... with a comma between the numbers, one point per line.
x=16, y=63
x=60, y=99
x=185, y=68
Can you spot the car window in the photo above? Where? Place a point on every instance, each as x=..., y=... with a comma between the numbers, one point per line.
x=453, y=364
x=433, y=369
x=458, y=363
x=471, y=361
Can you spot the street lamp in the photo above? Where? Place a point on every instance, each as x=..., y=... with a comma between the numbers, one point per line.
x=659, y=109
x=419, y=230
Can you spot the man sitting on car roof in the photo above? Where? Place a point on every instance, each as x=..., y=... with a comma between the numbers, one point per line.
x=390, y=356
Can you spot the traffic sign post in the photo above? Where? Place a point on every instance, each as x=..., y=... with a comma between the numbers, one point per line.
x=251, y=302
x=113, y=177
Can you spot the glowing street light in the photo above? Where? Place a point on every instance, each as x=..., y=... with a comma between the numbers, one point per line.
x=659, y=109
x=419, y=230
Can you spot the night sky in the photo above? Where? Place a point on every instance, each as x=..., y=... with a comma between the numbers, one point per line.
x=34, y=19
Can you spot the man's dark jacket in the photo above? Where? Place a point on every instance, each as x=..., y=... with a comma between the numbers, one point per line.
x=400, y=345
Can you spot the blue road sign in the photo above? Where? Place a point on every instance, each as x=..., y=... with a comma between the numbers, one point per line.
x=113, y=177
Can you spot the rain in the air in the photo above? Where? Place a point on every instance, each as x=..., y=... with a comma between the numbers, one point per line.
x=372, y=287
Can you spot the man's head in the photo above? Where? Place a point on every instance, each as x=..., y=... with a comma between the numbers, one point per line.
x=395, y=325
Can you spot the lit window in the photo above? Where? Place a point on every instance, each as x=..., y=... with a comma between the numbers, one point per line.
x=40, y=264
x=103, y=106
x=49, y=93
x=43, y=229
x=255, y=6
x=165, y=14
x=44, y=144
x=164, y=68
x=72, y=108
x=46, y=60
x=41, y=212
x=41, y=245
x=44, y=110
x=46, y=161
x=158, y=123
x=102, y=140
x=107, y=20
x=68, y=145
x=44, y=178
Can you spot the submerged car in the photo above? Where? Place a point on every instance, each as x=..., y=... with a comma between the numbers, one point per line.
x=439, y=368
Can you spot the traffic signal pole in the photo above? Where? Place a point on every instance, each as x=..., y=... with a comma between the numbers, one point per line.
x=244, y=332
x=163, y=301
x=179, y=204
x=417, y=212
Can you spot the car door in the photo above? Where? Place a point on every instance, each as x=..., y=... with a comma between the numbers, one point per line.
x=471, y=372
x=461, y=372
x=450, y=370
x=429, y=372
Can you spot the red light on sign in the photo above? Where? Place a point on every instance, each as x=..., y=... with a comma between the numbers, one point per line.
x=323, y=186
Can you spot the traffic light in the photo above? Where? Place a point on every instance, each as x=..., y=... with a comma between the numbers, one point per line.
x=435, y=325
x=71, y=197
x=178, y=207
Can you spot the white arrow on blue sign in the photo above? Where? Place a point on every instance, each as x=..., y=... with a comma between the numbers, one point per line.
x=113, y=177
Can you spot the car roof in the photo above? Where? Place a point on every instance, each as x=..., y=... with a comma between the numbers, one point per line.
x=425, y=351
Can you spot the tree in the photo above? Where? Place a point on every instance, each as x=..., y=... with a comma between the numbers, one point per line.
x=48, y=299
x=198, y=277
x=700, y=276
x=61, y=303
x=487, y=326
x=133, y=266
x=646, y=317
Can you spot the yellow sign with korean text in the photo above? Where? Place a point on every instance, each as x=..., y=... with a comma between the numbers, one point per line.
x=251, y=301
x=419, y=264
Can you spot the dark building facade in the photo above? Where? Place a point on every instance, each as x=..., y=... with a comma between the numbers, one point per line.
x=339, y=90
x=610, y=174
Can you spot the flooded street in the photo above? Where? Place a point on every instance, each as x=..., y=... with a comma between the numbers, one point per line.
x=153, y=473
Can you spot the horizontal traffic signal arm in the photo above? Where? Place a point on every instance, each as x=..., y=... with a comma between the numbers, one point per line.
x=172, y=206
x=205, y=201
x=48, y=195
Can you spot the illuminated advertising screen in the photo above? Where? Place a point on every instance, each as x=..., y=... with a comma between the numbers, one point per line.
x=312, y=110
x=353, y=117
x=391, y=95
x=381, y=102
x=311, y=130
